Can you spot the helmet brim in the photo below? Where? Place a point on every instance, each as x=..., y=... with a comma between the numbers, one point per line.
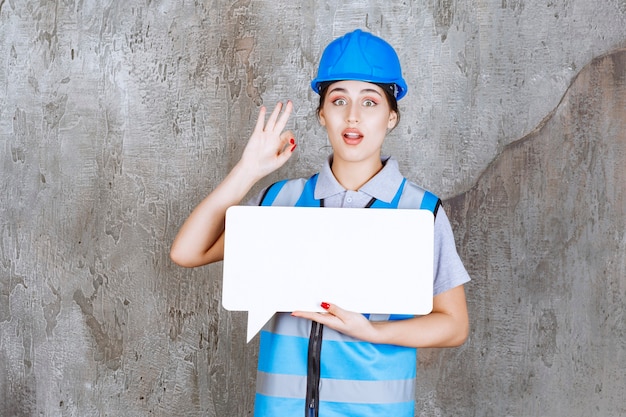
x=401, y=86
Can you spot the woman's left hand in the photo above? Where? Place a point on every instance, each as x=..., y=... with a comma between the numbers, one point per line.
x=344, y=321
x=447, y=325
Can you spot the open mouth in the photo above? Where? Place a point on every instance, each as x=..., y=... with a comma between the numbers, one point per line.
x=352, y=136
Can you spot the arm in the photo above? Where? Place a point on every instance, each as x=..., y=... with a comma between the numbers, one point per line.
x=446, y=326
x=200, y=240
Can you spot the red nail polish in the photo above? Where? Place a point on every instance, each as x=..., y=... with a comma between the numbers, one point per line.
x=325, y=306
x=292, y=141
x=293, y=147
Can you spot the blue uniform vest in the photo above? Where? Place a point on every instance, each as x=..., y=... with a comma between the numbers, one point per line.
x=356, y=378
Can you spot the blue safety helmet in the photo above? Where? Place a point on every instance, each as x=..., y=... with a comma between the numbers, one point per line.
x=360, y=56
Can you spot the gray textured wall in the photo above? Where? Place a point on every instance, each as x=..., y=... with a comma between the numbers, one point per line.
x=116, y=118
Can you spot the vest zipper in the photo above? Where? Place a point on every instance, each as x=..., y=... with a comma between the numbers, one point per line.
x=312, y=401
x=313, y=370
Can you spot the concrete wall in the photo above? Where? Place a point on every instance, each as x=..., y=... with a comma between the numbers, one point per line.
x=116, y=118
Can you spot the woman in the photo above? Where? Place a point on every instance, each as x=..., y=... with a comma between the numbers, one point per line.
x=339, y=363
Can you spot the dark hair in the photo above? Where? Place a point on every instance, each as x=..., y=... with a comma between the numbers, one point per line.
x=389, y=89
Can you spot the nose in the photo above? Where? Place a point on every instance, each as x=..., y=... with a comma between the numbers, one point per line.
x=353, y=113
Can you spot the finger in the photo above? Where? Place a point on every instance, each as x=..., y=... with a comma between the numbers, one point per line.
x=284, y=117
x=333, y=309
x=321, y=318
x=287, y=140
x=305, y=314
x=271, y=122
x=260, y=121
x=285, y=154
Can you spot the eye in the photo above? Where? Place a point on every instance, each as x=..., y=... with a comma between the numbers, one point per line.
x=340, y=102
x=369, y=103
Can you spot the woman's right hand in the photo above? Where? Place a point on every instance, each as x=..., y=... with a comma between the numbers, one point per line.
x=269, y=146
x=200, y=240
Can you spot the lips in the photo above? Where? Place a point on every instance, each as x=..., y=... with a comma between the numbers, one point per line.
x=352, y=136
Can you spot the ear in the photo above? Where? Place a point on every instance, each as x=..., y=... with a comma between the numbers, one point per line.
x=393, y=120
x=321, y=118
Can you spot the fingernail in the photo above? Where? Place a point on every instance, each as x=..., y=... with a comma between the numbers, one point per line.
x=293, y=147
x=292, y=141
x=325, y=306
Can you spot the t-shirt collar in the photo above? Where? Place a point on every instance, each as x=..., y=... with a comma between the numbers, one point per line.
x=383, y=186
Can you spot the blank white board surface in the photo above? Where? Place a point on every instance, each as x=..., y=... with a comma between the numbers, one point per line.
x=283, y=259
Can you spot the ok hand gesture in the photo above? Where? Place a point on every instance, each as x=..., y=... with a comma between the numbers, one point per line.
x=269, y=147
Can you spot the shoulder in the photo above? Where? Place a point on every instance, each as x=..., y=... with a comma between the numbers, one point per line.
x=283, y=193
x=417, y=197
x=413, y=188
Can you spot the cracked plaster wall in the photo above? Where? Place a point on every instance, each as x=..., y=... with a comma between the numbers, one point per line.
x=116, y=118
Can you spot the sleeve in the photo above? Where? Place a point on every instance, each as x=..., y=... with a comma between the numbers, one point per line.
x=448, y=269
x=255, y=200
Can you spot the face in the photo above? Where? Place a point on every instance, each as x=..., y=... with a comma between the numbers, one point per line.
x=357, y=117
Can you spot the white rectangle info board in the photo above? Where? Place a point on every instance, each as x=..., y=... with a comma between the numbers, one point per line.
x=282, y=259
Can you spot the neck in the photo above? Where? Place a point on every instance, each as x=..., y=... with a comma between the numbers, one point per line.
x=353, y=175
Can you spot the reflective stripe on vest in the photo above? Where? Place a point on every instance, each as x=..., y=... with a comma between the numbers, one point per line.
x=357, y=378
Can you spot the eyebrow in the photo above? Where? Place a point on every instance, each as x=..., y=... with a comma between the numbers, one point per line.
x=365, y=90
